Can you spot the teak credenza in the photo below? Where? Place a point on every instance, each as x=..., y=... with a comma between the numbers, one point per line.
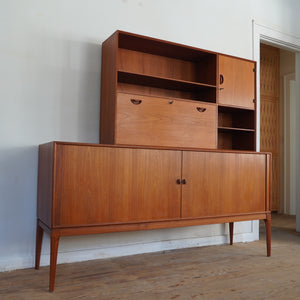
x=177, y=134
x=92, y=188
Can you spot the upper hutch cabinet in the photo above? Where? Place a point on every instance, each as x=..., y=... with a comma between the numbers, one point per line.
x=159, y=93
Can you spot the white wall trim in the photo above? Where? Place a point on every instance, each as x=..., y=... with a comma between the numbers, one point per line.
x=70, y=256
x=262, y=33
x=289, y=121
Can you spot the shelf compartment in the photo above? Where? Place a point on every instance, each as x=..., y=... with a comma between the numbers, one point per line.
x=236, y=139
x=202, y=70
x=159, y=47
x=202, y=92
x=236, y=118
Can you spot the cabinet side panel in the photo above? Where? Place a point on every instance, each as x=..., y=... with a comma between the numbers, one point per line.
x=45, y=183
x=108, y=89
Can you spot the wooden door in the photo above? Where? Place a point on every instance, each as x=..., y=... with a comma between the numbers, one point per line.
x=154, y=121
x=237, y=82
x=219, y=184
x=96, y=185
x=269, y=114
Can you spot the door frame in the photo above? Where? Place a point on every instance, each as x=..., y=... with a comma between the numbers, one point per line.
x=268, y=35
x=289, y=178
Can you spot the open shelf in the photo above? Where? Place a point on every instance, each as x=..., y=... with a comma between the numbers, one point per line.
x=236, y=128
x=138, y=65
x=236, y=118
x=201, y=92
x=236, y=139
x=163, y=48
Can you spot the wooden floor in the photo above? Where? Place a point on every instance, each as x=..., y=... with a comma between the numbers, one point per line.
x=241, y=271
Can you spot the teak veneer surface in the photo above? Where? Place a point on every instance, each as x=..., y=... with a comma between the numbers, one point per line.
x=112, y=186
x=210, y=175
x=165, y=122
x=167, y=108
x=238, y=82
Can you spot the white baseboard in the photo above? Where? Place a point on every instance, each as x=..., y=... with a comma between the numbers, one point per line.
x=67, y=256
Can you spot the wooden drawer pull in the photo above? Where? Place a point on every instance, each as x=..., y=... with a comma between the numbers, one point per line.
x=135, y=101
x=201, y=109
x=221, y=79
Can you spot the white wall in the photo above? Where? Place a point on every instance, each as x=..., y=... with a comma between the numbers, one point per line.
x=50, y=54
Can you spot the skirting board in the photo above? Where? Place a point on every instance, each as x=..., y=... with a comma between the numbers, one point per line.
x=23, y=262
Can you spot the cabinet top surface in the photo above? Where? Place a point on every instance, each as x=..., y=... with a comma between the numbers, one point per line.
x=123, y=35
x=151, y=147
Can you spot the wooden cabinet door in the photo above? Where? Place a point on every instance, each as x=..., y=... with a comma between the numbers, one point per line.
x=219, y=184
x=96, y=185
x=237, y=82
x=144, y=120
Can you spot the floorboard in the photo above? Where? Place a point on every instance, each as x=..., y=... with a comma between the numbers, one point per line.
x=241, y=271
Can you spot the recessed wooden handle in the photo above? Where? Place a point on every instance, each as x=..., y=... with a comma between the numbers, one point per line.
x=201, y=109
x=183, y=181
x=136, y=101
x=171, y=101
x=178, y=181
x=221, y=79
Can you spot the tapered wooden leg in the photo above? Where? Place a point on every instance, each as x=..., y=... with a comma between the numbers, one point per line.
x=231, y=232
x=53, y=259
x=38, y=244
x=268, y=234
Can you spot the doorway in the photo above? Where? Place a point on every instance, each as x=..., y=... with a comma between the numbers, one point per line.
x=277, y=123
x=265, y=34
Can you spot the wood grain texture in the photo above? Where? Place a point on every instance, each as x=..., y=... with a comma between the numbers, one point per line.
x=109, y=185
x=223, y=184
x=108, y=89
x=156, y=65
x=202, y=69
x=38, y=244
x=155, y=46
x=269, y=114
x=165, y=122
x=54, y=240
x=216, y=272
x=270, y=69
x=238, y=87
x=45, y=183
x=102, y=188
x=155, y=68
x=161, y=92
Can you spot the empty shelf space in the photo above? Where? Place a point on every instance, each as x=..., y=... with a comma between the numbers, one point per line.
x=162, y=82
x=201, y=92
x=160, y=47
x=230, y=118
x=236, y=140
